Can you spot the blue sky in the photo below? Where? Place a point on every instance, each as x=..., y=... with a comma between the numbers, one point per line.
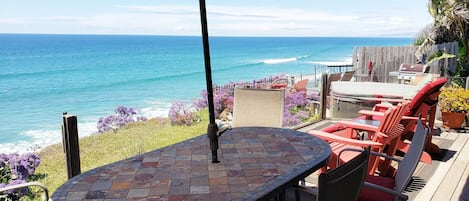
x=388, y=18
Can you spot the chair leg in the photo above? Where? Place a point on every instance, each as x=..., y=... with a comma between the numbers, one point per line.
x=391, y=151
x=430, y=147
x=297, y=195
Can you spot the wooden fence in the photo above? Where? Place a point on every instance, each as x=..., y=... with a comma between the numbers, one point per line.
x=388, y=59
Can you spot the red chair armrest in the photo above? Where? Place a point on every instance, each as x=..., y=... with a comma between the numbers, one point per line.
x=335, y=138
x=359, y=126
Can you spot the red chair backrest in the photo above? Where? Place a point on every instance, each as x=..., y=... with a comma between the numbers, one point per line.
x=423, y=96
x=301, y=85
x=391, y=119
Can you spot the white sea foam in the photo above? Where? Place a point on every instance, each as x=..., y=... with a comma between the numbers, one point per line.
x=332, y=63
x=87, y=127
x=156, y=109
x=37, y=140
x=349, y=60
x=276, y=61
x=344, y=61
x=283, y=60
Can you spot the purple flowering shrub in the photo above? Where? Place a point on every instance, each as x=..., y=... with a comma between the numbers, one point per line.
x=223, y=100
x=295, y=108
x=17, y=169
x=122, y=117
x=202, y=102
x=182, y=114
x=296, y=105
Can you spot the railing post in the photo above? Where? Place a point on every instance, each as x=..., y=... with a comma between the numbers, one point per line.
x=467, y=82
x=315, y=77
x=324, y=94
x=70, y=144
x=292, y=80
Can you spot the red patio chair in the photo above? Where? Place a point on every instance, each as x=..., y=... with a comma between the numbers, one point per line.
x=300, y=86
x=386, y=132
x=424, y=103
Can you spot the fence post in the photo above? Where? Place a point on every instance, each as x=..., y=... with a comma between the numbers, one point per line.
x=70, y=144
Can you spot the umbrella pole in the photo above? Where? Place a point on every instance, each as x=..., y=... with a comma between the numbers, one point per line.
x=212, y=127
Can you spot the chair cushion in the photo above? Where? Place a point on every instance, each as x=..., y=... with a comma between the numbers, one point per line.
x=278, y=86
x=333, y=128
x=369, y=194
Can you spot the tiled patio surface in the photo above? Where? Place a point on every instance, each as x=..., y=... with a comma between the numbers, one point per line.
x=256, y=163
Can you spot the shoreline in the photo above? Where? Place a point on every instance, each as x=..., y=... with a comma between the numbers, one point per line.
x=42, y=141
x=88, y=128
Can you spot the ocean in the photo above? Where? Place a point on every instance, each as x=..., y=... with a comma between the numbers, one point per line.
x=42, y=76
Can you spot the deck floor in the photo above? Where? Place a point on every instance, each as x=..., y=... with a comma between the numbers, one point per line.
x=446, y=178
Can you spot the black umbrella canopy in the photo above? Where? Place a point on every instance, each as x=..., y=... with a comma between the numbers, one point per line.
x=212, y=128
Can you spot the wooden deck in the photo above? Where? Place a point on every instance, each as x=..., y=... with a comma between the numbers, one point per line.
x=447, y=178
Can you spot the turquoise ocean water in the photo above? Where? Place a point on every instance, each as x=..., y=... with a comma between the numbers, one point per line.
x=42, y=76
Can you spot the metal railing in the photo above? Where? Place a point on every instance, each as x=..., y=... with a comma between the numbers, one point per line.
x=27, y=185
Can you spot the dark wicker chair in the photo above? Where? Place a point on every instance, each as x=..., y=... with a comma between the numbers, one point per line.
x=342, y=183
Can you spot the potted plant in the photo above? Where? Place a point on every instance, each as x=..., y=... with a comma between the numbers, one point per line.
x=454, y=104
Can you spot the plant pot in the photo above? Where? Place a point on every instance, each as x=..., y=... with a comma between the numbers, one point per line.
x=452, y=119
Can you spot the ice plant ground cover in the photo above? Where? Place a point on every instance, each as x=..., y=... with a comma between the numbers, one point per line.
x=17, y=169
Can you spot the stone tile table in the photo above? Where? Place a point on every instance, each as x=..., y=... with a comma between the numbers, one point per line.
x=257, y=163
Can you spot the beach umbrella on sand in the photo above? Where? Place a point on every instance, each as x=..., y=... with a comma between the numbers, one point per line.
x=212, y=128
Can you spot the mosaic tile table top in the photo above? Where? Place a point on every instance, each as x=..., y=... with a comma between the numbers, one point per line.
x=256, y=163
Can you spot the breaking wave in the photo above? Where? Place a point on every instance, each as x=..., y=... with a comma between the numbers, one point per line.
x=282, y=60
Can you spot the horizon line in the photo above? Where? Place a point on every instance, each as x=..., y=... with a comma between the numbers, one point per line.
x=227, y=36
